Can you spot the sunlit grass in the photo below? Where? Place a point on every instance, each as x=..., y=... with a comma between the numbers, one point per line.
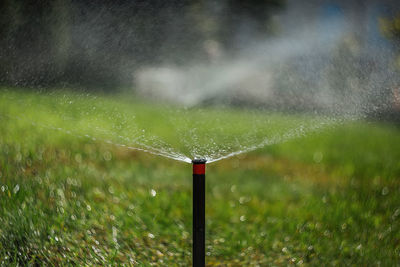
x=190, y=132
x=330, y=198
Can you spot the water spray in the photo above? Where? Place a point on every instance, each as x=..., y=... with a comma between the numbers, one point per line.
x=199, y=212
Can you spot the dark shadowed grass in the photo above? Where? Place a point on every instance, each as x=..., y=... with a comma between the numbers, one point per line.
x=327, y=199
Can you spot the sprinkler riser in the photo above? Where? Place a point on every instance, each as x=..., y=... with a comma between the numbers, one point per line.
x=199, y=208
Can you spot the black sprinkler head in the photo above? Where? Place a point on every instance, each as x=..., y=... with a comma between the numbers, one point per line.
x=199, y=161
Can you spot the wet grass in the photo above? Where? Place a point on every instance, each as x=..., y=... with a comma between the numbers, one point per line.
x=327, y=199
x=191, y=132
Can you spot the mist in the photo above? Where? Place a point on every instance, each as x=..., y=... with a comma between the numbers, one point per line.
x=321, y=59
x=325, y=56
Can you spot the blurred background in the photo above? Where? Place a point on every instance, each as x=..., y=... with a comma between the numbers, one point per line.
x=283, y=54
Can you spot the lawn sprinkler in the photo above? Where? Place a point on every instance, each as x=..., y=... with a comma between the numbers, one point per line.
x=199, y=212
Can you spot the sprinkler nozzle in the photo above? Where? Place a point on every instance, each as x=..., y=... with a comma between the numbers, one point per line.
x=199, y=161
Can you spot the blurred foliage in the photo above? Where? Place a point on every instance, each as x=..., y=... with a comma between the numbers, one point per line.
x=390, y=27
x=99, y=44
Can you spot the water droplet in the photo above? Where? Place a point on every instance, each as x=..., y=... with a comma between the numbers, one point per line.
x=159, y=254
x=318, y=156
x=153, y=192
x=385, y=191
x=78, y=158
x=396, y=213
x=111, y=190
x=16, y=189
x=233, y=188
x=107, y=156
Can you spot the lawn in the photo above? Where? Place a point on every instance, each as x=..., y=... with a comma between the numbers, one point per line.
x=66, y=198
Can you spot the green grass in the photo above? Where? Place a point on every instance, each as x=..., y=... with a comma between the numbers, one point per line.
x=331, y=198
x=125, y=120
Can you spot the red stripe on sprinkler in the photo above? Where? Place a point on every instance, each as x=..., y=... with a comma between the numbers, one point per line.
x=199, y=168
